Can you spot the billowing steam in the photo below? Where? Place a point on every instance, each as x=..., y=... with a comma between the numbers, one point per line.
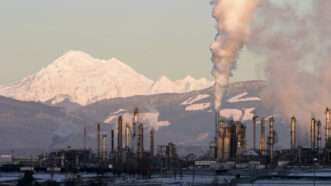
x=233, y=18
x=294, y=38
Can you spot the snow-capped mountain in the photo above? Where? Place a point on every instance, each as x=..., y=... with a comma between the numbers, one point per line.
x=80, y=78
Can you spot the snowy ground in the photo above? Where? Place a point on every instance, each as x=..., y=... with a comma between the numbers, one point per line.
x=287, y=183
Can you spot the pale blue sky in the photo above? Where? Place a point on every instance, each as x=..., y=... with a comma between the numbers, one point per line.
x=155, y=37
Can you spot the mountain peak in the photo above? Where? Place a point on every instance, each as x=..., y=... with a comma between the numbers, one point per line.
x=73, y=57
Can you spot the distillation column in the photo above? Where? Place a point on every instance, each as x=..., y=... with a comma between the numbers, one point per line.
x=152, y=136
x=255, y=118
x=313, y=133
x=104, y=152
x=318, y=136
x=327, y=124
x=220, y=141
x=140, y=144
x=120, y=136
x=271, y=138
x=99, y=140
x=112, y=134
x=134, y=130
x=293, y=132
x=262, y=145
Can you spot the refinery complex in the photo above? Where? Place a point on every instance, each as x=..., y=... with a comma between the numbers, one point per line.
x=129, y=150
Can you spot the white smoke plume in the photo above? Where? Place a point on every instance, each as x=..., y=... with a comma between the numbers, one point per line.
x=294, y=38
x=233, y=18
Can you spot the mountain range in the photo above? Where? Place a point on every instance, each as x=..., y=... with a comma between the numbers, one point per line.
x=82, y=79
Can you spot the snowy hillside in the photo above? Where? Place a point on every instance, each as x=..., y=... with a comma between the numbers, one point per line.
x=183, y=118
x=187, y=118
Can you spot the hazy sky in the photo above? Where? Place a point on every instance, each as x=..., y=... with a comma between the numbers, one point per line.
x=155, y=37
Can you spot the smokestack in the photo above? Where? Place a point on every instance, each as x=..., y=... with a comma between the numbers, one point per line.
x=293, y=132
x=327, y=124
x=112, y=141
x=120, y=134
x=140, y=144
x=313, y=133
x=262, y=145
x=319, y=136
x=85, y=138
x=271, y=139
x=99, y=140
x=254, y=131
x=152, y=135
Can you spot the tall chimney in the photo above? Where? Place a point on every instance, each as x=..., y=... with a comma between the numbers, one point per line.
x=293, y=132
x=262, y=145
x=319, y=136
x=327, y=124
x=313, y=133
x=254, y=131
x=99, y=140
x=152, y=135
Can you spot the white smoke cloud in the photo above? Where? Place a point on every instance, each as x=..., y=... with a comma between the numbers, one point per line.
x=233, y=18
x=296, y=42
